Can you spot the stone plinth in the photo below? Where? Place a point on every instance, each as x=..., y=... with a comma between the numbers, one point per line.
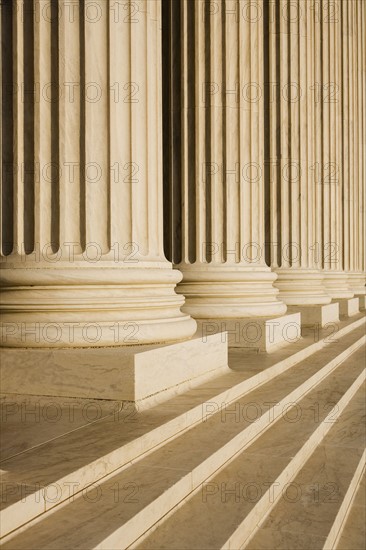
x=348, y=307
x=144, y=375
x=262, y=334
x=319, y=315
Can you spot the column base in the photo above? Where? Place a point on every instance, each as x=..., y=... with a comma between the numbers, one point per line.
x=143, y=375
x=229, y=292
x=319, y=315
x=262, y=334
x=356, y=282
x=348, y=307
x=336, y=284
x=362, y=300
x=301, y=287
x=77, y=305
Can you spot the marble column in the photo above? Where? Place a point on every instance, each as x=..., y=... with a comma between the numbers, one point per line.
x=82, y=235
x=215, y=166
x=353, y=19
x=333, y=176
x=295, y=123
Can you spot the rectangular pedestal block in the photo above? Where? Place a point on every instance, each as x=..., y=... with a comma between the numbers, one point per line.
x=145, y=375
x=349, y=307
x=362, y=301
x=317, y=315
x=257, y=333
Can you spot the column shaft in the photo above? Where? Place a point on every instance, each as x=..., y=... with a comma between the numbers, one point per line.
x=218, y=166
x=336, y=281
x=354, y=153
x=83, y=261
x=295, y=120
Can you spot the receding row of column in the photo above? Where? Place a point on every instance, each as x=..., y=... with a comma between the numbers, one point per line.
x=264, y=148
x=253, y=116
x=316, y=188
x=82, y=231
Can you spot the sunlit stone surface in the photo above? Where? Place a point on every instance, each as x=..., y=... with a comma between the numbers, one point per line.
x=183, y=274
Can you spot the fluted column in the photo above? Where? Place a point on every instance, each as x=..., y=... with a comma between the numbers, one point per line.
x=336, y=280
x=316, y=182
x=294, y=124
x=215, y=159
x=354, y=75
x=82, y=247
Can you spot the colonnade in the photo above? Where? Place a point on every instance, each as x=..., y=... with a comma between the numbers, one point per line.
x=274, y=93
x=318, y=129
x=227, y=136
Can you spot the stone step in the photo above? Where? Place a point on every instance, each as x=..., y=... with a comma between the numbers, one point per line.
x=31, y=478
x=226, y=510
x=339, y=524
x=313, y=518
x=353, y=531
x=169, y=474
